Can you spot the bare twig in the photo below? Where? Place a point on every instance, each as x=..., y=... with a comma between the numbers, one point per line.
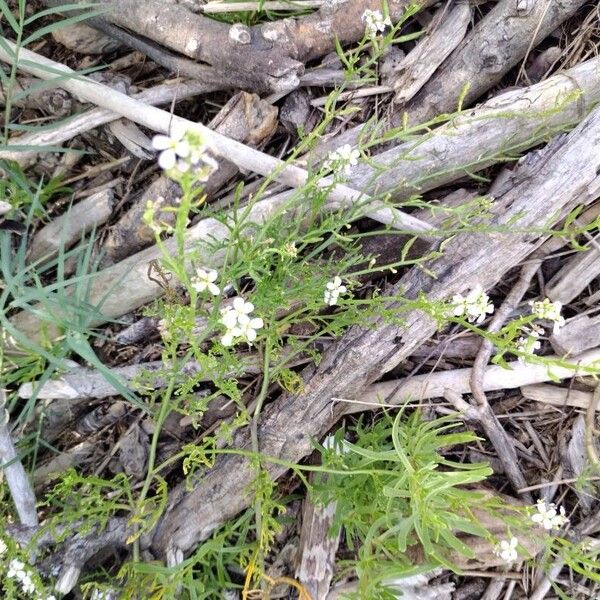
x=18, y=482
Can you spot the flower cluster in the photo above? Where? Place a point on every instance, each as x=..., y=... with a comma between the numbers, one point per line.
x=375, y=23
x=239, y=323
x=474, y=306
x=548, y=516
x=530, y=341
x=545, y=309
x=183, y=151
x=22, y=573
x=342, y=160
x=507, y=550
x=333, y=289
x=205, y=280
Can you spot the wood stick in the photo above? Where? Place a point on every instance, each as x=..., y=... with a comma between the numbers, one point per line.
x=161, y=94
x=445, y=32
x=496, y=44
x=16, y=477
x=495, y=377
x=213, y=8
x=67, y=229
x=561, y=180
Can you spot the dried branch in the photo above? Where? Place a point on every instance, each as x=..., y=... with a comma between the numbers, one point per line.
x=18, y=482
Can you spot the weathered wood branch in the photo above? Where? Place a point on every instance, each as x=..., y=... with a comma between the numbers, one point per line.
x=496, y=44
x=497, y=130
x=18, y=482
x=564, y=178
x=67, y=229
x=269, y=57
x=444, y=33
x=177, y=89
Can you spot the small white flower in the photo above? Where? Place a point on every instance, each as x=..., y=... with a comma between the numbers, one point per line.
x=474, y=307
x=205, y=280
x=15, y=569
x=546, y=309
x=27, y=584
x=529, y=343
x=248, y=329
x=375, y=22
x=342, y=160
x=333, y=289
x=507, y=550
x=3, y=547
x=548, y=516
x=237, y=313
x=231, y=335
x=239, y=323
x=173, y=147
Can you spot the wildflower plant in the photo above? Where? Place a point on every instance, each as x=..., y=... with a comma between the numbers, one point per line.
x=263, y=291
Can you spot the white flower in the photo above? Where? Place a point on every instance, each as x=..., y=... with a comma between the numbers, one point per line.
x=182, y=151
x=474, y=307
x=529, y=343
x=548, y=516
x=333, y=289
x=15, y=569
x=248, y=329
x=205, y=280
x=342, y=160
x=27, y=584
x=375, y=22
x=546, y=309
x=230, y=336
x=507, y=550
x=173, y=147
x=239, y=323
x=237, y=313
x=3, y=547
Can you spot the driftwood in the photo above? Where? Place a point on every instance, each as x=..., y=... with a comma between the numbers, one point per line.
x=498, y=129
x=566, y=177
x=16, y=477
x=579, y=334
x=445, y=32
x=81, y=383
x=576, y=274
x=177, y=89
x=556, y=396
x=269, y=57
x=245, y=118
x=496, y=44
x=67, y=229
